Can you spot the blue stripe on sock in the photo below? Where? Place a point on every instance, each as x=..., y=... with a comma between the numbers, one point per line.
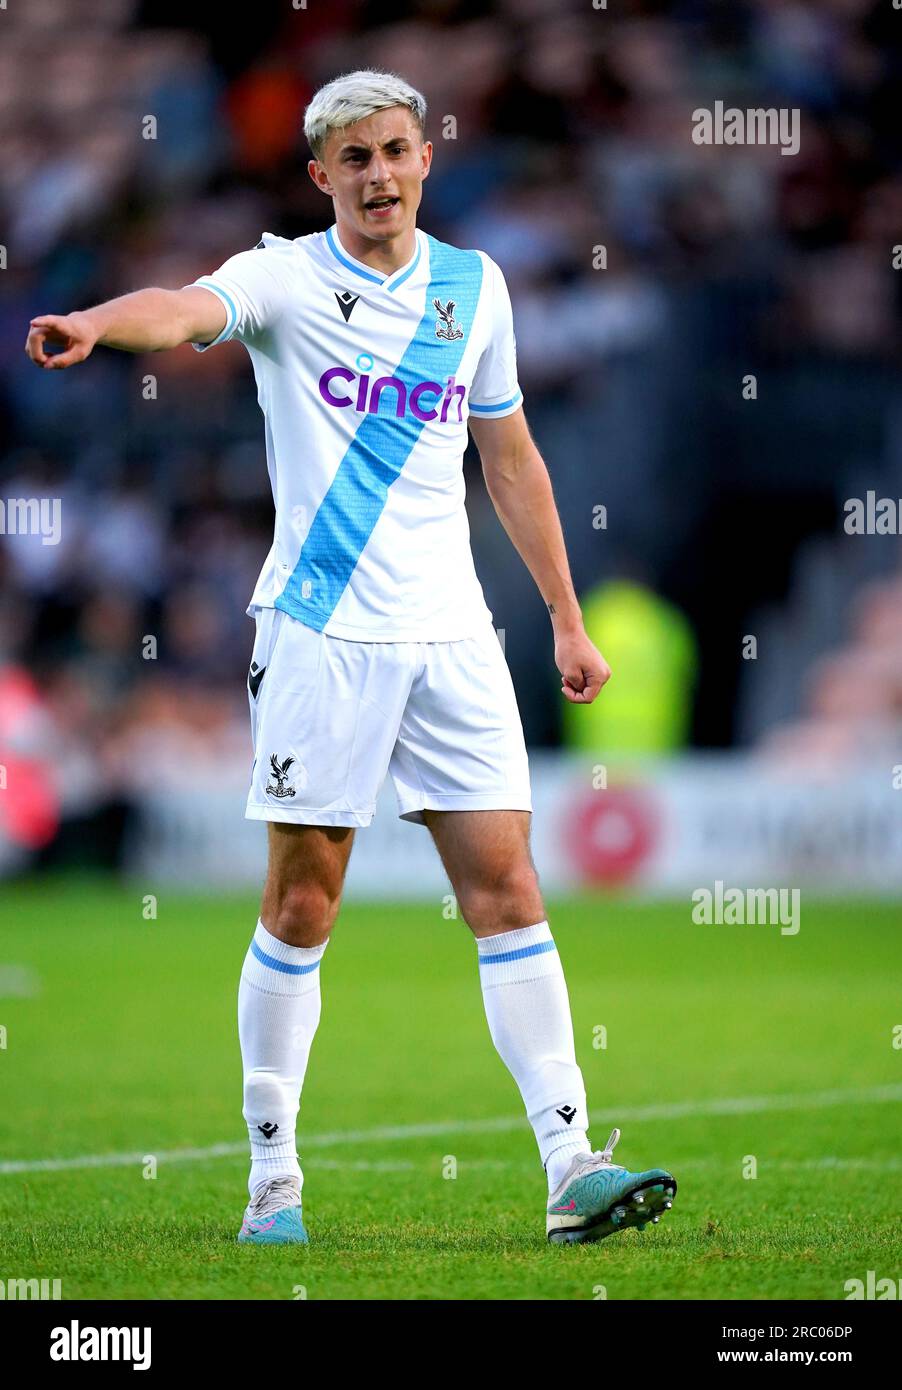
x=539, y=949
x=282, y=965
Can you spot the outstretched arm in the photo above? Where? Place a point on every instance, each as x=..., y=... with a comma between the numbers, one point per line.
x=520, y=489
x=145, y=321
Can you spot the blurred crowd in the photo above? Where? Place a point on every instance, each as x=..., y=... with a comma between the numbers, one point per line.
x=143, y=143
x=852, y=704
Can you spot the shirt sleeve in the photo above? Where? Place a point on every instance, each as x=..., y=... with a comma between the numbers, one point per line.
x=252, y=291
x=495, y=391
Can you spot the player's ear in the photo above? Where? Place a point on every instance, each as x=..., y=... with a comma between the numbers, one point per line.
x=319, y=176
x=427, y=158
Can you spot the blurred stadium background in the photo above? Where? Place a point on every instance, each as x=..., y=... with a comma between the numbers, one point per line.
x=650, y=278
x=751, y=733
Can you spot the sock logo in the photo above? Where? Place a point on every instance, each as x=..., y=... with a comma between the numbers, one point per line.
x=269, y=1129
x=566, y=1113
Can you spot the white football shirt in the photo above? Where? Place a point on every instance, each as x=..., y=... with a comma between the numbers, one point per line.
x=366, y=382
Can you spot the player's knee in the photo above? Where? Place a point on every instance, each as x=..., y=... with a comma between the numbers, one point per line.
x=305, y=912
x=503, y=902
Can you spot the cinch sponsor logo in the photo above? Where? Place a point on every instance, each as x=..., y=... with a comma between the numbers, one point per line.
x=389, y=395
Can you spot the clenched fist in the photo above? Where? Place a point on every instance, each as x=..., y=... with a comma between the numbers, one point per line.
x=583, y=668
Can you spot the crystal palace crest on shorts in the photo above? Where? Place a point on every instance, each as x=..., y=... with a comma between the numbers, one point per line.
x=280, y=777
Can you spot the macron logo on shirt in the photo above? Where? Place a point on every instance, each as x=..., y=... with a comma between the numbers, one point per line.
x=334, y=384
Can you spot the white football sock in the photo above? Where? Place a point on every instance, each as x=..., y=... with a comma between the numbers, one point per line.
x=528, y=1013
x=278, y=1014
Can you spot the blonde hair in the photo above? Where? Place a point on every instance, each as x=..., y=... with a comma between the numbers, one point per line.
x=354, y=96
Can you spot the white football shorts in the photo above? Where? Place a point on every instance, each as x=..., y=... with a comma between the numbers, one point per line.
x=330, y=717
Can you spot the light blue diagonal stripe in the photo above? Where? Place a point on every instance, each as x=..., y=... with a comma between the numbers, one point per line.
x=381, y=446
x=539, y=949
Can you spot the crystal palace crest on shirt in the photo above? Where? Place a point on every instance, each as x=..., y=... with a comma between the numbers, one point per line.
x=447, y=329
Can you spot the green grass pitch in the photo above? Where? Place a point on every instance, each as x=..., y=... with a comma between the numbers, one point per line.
x=722, y=1042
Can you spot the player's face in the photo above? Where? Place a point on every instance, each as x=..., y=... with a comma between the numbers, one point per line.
x=374, y=170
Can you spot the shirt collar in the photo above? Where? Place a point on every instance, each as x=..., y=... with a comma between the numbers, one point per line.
x=366, y=272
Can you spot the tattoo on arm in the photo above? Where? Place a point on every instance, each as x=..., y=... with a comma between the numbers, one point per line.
x=551, y=608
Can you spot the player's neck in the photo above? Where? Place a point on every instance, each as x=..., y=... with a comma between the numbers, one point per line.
x=383, y=256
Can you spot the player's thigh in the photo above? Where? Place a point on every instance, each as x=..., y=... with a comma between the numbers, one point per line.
x=305, y=878
x=299, y=853
x=487, y=858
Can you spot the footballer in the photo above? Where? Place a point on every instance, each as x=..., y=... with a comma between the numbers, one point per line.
x=375, y=347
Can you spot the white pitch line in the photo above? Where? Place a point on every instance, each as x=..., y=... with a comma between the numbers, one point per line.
x=734, y=1105
x=408, y=1165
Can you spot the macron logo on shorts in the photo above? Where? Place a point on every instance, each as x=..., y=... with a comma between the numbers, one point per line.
x=255, y=676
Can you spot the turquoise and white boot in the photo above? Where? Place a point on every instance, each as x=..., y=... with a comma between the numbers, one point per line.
x=273, y=1215
x=596, y=1197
